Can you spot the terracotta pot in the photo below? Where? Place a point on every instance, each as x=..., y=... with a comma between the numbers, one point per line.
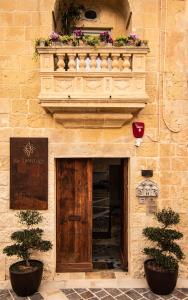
x=161, y=283
x=26, y=283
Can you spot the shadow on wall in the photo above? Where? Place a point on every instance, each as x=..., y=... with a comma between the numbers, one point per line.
x=113, y=15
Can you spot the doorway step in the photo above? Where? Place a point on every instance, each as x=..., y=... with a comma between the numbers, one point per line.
x=106, y=257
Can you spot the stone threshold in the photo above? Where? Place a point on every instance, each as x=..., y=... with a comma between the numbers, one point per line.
x=103, y=274
x=127, y=282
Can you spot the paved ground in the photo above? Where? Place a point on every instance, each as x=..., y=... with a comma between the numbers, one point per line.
x=10, y=295
x=104, y=294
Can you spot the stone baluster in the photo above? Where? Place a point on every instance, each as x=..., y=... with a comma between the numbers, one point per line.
x=93, y=63
x=61, y=63
x=104, y=62
x=82, y=66
x=72, y=62
x=115, y=62
x=126, y=63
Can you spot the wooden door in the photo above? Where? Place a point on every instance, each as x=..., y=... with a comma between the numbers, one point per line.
x=124, y=213
x=74, y=215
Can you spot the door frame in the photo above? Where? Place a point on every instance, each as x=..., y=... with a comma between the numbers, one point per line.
x=128, y=159
x=124, y=212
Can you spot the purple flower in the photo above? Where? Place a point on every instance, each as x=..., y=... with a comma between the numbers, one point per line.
x=54, y=36
x=134, y=36
x=78, y=33
x=110, y=40
x=104, y=36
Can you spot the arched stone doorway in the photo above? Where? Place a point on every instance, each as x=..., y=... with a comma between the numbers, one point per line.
x=114, y=15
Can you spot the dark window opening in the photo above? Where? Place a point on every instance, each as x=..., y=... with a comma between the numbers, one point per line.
x=90, y=14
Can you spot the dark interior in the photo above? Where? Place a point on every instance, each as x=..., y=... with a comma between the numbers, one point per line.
x=106, y=213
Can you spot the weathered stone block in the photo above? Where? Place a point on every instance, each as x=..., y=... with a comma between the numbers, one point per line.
x=4, y=106
x=27, y=5
x=4, y=120
x=167, y=150
x=2, y=269
x=6, y=19
x=19, y=106
x=18, y=120
x=15, y=33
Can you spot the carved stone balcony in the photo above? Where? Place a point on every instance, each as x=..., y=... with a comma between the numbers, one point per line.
x=92, y=87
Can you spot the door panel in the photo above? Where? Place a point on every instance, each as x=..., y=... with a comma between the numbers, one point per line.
x=74, y=215
x=124, y=214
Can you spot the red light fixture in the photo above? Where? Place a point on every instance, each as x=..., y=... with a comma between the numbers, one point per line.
x=138, y=132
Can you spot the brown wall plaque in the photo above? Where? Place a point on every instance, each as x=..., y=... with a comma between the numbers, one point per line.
x=29, y=173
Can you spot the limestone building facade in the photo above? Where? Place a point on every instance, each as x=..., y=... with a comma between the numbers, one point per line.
x=158, y=97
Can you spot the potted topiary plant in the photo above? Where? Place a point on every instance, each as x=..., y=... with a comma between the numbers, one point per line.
x=161, y=269
x=26, y=275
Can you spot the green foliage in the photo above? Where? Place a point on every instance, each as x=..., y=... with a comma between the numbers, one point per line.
x=165, y=261
x=65, y=39
x=70, y=15
x=75, y=42
x=121, y=40
x=168, y=217
x=37, y=43
x=92, y=40
x=156, y=234
x=29, y=239
x=167, y=253
x=29, y=217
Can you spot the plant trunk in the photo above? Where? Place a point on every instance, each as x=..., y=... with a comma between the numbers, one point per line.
x=27, y=263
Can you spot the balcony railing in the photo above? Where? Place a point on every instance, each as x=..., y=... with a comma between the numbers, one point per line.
x=103, y=82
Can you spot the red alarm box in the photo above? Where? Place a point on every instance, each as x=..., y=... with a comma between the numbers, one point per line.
x=138, y=129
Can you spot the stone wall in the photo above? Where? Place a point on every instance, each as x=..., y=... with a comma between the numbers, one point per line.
x=111, y=14
x=164, y=148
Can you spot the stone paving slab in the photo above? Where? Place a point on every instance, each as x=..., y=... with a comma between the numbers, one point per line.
x=99, y=293
x=122, y=294
x=10, y=295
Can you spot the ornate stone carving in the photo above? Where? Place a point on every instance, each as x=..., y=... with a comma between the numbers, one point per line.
x=63, y=85
x=93, y=64
x=126, y=63
x=61, y=63
x=147, y=188
x=115, y=62
x=72, y=63
x=139, y=84
x=82, y=64
x=91, y=81
x=108, y=84
x=104, y=62
x=121, y=85
x=93, y=85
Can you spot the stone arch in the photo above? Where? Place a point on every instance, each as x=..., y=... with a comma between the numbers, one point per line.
x=113, y=13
